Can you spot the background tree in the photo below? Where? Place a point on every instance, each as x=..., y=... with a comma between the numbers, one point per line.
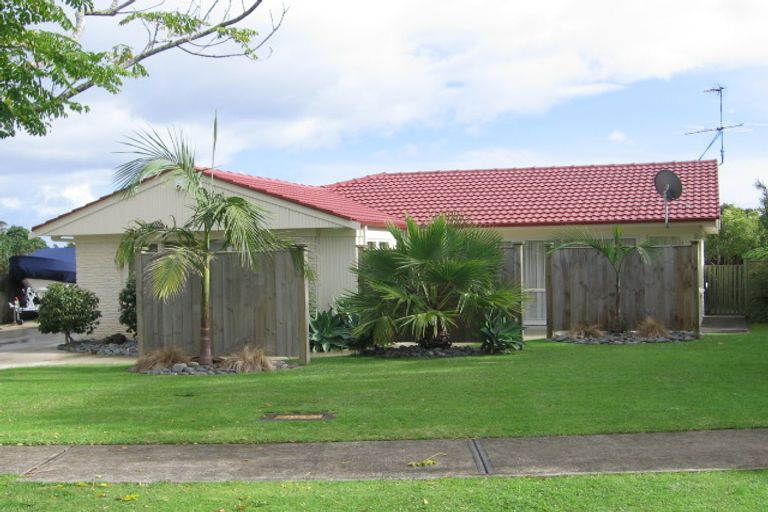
x=14, y=241
x=434, y=277
x=189, y=248
x=44, y=65
x=740, y=232
x=615, y=250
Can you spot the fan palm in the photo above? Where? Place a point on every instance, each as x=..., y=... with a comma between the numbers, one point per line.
x=615, y=250
x=435, y=276
x=188, y=249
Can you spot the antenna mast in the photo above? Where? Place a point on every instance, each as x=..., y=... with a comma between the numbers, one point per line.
x=719, y=129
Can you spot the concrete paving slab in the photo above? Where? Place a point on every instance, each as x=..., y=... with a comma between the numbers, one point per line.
x=674, y=451
x=305, y=461
x=724, y=324
x=20, y=459
x=25, y=347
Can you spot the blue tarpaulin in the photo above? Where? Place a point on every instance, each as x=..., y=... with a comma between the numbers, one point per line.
x=54, y=264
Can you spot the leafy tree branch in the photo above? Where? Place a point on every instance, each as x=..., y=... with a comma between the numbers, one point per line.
x=44, y=66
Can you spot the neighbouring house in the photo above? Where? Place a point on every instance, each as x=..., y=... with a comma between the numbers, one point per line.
x=529, y=205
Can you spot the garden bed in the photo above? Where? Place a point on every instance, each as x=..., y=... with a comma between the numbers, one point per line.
x=416, y=351
x=116, y=345
x=625, y=338
x=195, y=368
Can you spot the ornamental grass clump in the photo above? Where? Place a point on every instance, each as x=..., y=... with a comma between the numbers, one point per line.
x=247, y=360
x=582, y=331
x=651, y=328
x=160, y=359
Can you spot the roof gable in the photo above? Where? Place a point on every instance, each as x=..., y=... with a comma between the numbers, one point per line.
x=318, y=198
x=594, y=194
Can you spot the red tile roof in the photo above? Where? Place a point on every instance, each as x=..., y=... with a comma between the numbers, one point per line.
x=593, y=194
x=318, y=198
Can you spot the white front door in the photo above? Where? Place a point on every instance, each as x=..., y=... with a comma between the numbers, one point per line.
x=534, y=275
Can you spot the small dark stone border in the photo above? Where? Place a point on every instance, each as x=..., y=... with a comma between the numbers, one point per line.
x=627, y=338
x=417, y=352
x=110, y=346
x=193, y=368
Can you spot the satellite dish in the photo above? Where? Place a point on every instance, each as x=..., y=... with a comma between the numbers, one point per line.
x=669, y=186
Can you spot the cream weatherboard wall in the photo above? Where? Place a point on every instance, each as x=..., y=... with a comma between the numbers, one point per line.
x=97, y=272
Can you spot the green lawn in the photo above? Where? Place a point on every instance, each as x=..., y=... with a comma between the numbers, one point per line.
x=715, y=491
x=718, y=382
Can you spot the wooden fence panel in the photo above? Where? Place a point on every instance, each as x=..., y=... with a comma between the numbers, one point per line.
x=582, y=284
x=265, y=308
x=726, y=289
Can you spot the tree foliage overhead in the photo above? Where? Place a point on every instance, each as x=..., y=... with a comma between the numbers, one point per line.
x=44, y=65
x=14, y=241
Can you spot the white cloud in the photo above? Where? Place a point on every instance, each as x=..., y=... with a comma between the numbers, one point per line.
x=737, y=180
x=617, y=136
x=11, y=203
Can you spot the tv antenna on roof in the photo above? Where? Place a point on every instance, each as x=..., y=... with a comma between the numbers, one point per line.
x=669, y=186
x=719, y=129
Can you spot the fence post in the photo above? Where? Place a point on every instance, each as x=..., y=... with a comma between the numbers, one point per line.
x=549, y=291
x=303, y=293
x=699, y=288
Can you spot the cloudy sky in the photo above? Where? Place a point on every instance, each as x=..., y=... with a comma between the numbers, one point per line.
x=358, y=87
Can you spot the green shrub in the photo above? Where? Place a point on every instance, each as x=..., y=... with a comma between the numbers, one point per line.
x=68, y=309
x=127, y=305
x=757, y=302
x=328, y=331
x=437, y=276
x=500, y=334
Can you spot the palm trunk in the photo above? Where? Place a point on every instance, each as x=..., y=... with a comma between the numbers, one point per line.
x=619, y=324
x=206, y=342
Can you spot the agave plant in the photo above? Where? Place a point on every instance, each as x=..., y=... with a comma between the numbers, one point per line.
x=328, y=331
x=189, y=247
x=436, y=276
x=500, y=334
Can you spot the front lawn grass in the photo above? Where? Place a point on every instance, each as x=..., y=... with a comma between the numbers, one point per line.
x=720, y=381
x=715, y=491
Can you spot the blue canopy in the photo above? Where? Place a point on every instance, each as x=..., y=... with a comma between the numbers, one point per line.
x=54, y=264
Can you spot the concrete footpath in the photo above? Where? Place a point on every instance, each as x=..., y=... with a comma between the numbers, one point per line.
x=536, y=456
x=23, y=346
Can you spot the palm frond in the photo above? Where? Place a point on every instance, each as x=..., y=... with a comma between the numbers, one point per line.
x=169, y=271
x=155, y=156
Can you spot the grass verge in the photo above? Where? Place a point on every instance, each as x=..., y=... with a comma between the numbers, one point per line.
x=547, y=389
x=711, y=491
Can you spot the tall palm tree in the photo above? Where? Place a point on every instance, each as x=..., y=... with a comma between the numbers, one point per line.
x=436, y=275
x=188, y=249
x=615, y=250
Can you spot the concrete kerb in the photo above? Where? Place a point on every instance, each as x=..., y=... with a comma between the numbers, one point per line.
x=366, y=460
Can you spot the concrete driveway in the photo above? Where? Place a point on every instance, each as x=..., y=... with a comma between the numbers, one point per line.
x=22, y=346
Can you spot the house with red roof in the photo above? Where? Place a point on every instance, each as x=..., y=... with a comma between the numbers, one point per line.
x=525, y=205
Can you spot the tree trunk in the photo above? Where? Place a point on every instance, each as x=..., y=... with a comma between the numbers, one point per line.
x=206, y=342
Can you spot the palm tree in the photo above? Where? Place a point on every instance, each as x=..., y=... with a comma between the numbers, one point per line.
x=436, y=275
x=615, y=251
x=188, y=249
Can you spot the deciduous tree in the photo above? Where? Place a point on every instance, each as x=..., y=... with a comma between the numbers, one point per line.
x=44, y=65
